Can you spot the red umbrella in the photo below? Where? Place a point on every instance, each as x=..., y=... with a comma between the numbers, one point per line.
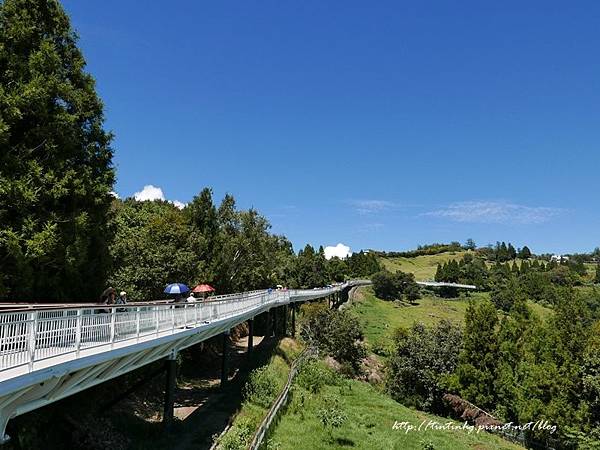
x=203, y=288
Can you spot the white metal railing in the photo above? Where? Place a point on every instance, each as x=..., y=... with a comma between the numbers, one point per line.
x=31, y=335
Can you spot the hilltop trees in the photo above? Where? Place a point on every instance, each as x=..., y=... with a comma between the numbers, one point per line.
x=524, y=253
x=55, y=159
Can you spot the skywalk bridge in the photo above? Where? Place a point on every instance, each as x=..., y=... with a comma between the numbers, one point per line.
x=49, y=352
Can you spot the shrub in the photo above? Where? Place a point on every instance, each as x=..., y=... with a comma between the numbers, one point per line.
x=335, y=333
x=262, y=387
x=314, y=375
x=239, y=436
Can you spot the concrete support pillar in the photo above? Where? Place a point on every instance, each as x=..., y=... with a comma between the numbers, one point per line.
x=225, y=359
x=250, y=336
x=171, y=369
x=285, y=320
x=275, y=321
x=294, y=320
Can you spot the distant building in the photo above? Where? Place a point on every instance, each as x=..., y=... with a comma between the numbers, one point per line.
x=559, y=258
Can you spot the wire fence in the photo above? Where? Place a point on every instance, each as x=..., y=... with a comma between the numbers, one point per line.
x=281, y=401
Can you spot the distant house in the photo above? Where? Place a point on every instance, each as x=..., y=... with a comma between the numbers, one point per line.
x=559, y=258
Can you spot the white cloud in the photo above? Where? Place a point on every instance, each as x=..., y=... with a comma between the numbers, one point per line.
x=340, y=250
x=371, y=206
x=114, y=194
x=149, y=193
x=495, y=212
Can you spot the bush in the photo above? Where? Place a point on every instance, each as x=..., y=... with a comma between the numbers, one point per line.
x=239, y=436
x=331, y=415
x=392, y=286
x=422, y=359
x=314, y=375
x=262, y=387
x=335, y=333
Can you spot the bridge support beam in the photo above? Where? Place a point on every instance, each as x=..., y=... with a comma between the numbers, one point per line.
x=250, y=336
x=275, y=321
x=225, y=359
x=293, y=319
x=171, y=368
x=285, y=320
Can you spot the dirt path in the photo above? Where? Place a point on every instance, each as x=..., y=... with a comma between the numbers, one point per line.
x=205, y=411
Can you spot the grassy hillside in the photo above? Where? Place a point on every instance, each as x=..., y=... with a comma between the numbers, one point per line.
x=250, y=415
x=380, y=318
x=369, y=424
x=422, y=266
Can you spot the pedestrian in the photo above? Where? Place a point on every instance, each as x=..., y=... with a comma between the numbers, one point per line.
x=191, y=298
x=108, y=297
x=122, y=300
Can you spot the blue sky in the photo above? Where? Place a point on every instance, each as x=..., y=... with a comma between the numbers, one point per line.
x=375, y=124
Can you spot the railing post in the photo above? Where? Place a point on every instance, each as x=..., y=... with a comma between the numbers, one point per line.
x=31, y=343
x=78, y=332
x=112, y=327
x=172, y=309
x=137, y=324
x=156, y=317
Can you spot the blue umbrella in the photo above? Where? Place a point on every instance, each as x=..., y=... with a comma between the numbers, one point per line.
x=176, y=288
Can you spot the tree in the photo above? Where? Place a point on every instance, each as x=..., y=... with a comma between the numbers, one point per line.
x=525, y=253
x=512, y=253
x=336, y=333
x=384, y=286
x=152, y=247
x=421, y=359
x=597, y=277
x=56, y=173
x=470, y=244
x=475, y=374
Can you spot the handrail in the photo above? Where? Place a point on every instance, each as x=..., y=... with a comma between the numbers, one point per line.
x=28, y=336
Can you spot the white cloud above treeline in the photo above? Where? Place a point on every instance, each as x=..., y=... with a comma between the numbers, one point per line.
x=151, y=192
x=340, y=250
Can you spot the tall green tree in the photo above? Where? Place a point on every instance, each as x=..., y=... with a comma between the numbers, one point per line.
x=55, y=159
x=476, y=371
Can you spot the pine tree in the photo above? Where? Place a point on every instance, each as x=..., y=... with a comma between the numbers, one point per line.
x=439, y=273
x=512, y=253
x=525, y=253
x=56, y=173
x=477, y=367
x=470, y=244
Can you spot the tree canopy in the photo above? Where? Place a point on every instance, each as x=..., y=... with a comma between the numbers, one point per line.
x=55, y=159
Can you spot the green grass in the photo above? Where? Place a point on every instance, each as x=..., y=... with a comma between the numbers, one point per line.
x=380, y=318
x=369, y=424
x=250, y=415
x=422, y=266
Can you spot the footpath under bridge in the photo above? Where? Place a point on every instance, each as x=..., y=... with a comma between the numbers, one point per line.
x=50, y=352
